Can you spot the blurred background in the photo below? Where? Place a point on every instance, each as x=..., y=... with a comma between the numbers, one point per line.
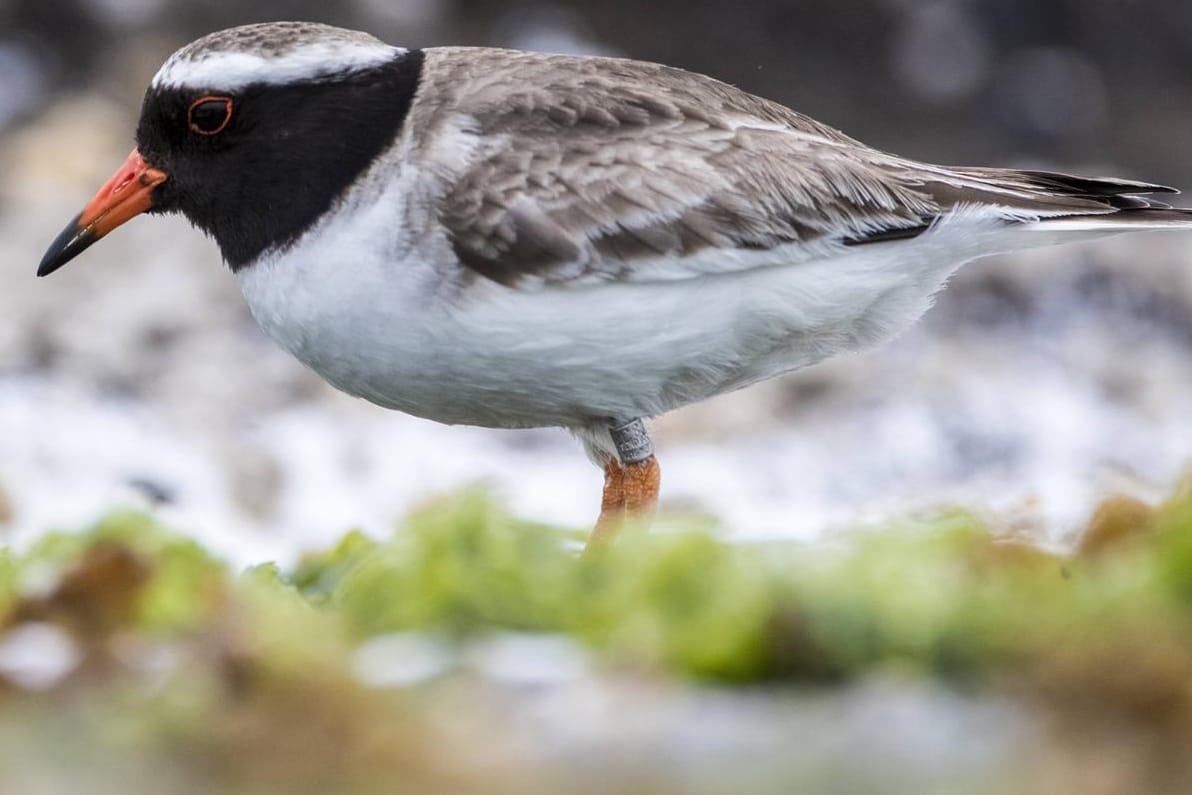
x=1039, y=383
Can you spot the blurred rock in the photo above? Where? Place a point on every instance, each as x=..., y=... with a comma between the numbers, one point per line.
x=941, y=53
x=1117, y=522
x=1051, y=92
x=155, y=491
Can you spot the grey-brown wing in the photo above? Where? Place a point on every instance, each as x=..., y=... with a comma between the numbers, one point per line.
x=600, y=168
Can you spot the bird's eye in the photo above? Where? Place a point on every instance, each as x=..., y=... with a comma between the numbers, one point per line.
x=209, y=115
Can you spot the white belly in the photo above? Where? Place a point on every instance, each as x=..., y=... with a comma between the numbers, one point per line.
x=392, y=331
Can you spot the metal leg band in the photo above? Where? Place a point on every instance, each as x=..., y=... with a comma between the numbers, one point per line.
x=633, y=442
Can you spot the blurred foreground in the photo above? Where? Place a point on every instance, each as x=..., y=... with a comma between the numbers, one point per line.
x=471, y=652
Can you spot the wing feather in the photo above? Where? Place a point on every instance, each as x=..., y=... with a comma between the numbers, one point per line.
x=595, y=168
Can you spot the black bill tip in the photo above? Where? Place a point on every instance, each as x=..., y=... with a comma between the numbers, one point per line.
x=71, y=242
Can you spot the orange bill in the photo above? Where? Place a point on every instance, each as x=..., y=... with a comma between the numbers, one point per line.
x=127, y=194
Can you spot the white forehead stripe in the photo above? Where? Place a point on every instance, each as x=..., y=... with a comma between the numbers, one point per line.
x=230, y=70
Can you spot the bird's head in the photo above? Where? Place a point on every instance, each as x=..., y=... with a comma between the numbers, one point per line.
x=252, y=133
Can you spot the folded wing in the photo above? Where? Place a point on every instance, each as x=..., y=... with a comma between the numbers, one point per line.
x=612, y=169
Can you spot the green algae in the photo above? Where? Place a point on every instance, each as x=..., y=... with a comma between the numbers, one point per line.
x=246, y=681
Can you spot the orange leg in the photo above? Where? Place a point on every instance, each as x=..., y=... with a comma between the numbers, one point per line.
x=641, y=490
x=630, y=493
x=612, y=504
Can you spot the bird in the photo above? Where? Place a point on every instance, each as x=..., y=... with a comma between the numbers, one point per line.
x=512, y=239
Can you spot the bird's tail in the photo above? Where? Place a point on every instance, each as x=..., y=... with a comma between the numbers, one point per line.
x=1037, y=208
x=1061, y=208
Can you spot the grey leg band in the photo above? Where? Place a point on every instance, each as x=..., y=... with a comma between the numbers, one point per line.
x=632, y=441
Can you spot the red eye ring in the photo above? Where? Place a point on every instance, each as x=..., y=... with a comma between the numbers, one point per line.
x=196, y=127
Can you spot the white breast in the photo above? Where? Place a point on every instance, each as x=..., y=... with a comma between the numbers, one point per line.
x=370, y=311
